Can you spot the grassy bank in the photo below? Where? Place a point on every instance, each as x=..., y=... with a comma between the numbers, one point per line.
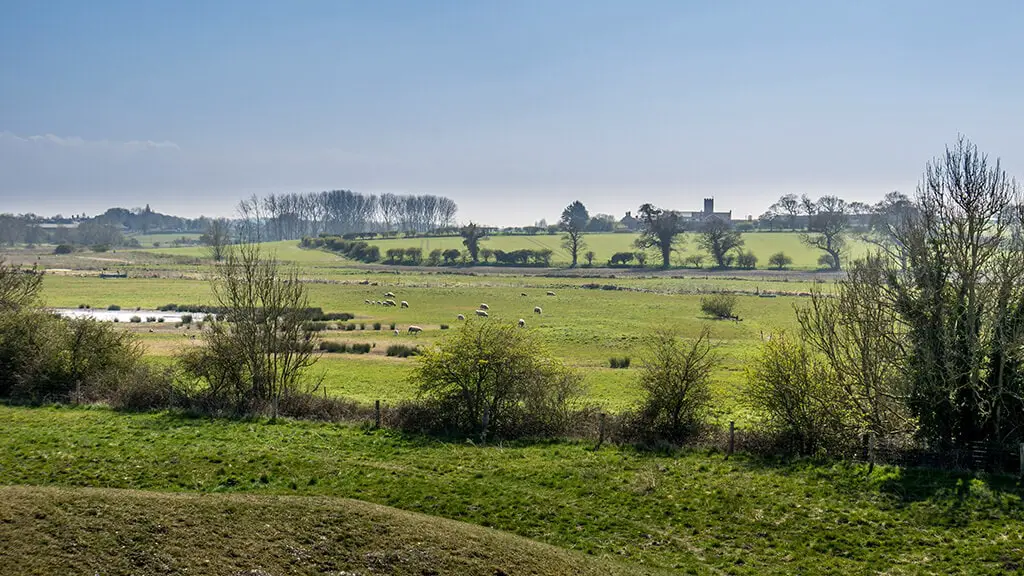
x=689, y=511
x=123, y=532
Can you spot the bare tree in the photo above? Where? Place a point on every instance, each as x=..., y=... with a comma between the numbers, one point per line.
x=719, y=238
x=263, y=350
x=661, y=229
x=827, y=230
x=217, y=238
x=789, y=205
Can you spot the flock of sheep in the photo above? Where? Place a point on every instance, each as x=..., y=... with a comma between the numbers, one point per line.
x=483, y=310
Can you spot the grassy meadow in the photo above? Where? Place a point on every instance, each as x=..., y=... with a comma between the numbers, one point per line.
x=762, y=244
x=584, y=327
x=90, y=490
x=683, y=513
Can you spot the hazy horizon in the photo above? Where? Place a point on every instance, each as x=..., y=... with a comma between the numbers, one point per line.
x=512, y=110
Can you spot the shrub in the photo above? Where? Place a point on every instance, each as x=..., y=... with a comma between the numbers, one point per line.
x=332, y=347
x=64, y=249
x=746, y=260
x=676, y=383
x=779, y=260
x=142, y=388
x=402, y=350
x=619, y=362
x=186, y=319
x=315, y=326
x=392, y=326
x=793, y=393
x=81, y=306
x=363, y=348
x=350, y=327
x=135, y=320
x=494, y=380
x=719, y=306
x=160, y=320
x=100, y=248
x=376, y=325
x=621, y=258
x=362, y=326
x=43, y=356
x=444, y=326
x=114, y=308
x=150, y=318
x=695, y=260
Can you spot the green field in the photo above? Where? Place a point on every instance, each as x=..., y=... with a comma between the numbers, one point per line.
x=762, y=244
x=163, y=239
x=585, y=327
x=684, y=512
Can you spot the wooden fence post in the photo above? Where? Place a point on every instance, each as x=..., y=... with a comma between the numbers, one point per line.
x=732, y=438
x=486, y=421
x=600, y=431
x=871, y=452
x=376, y=414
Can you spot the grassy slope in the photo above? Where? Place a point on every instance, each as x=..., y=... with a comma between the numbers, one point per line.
x=762, y=244
x=683, y=511
x=115, y=532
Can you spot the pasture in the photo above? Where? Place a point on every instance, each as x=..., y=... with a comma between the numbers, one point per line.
x=585, y=327
x=762, y=244
x=560, y=506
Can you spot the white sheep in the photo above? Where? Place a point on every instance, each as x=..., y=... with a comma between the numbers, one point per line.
x=485, y=307
x=538, y=310
x=389, y=303
x=397, y=332
x=522, y=323
x=405, y=304
x=481, y=313
x=460, y=317
x=550, y=293
x=389, y=294
x=367, y=301
x=415, y=329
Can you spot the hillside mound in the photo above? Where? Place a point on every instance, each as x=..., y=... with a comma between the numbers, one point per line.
x=112, y=532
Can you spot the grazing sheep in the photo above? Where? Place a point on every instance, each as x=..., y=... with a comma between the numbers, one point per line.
x=405, y=304
x=397, y=332
x=522, y=323
x=389, y=303
x=481, y=313
x=460, y=317
x=367, y=301
x=151, y=331
x=485, y=307
x=389, y=294
x=415, y=329
x=522, y=293
x=538, y=310
x=550, y=293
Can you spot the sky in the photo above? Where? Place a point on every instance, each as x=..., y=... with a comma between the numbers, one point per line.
x=512, y=109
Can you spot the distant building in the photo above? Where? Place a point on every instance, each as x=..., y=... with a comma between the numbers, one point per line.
x=707, y=212
x=630, y=223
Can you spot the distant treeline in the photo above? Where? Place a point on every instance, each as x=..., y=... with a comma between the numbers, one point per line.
x=110, y=229
x=365, y=252
x=339, y=212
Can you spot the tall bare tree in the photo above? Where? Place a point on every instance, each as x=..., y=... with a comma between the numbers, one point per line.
x=573, y=222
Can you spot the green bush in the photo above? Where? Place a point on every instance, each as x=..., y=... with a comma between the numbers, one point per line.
x=114, y=308
x=64, y=249
x=444, y=326
x=495, y=380
x=402, y=350
x=676, y=382
x=135, y=320
x=622, y=362
x=44, y=357
x=376, y=325
x=719, y=306
x=186, y=319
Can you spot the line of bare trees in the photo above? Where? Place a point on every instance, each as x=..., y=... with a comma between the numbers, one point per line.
x=293, y=216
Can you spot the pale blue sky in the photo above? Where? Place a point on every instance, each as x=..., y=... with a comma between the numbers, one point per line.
x=514, y=109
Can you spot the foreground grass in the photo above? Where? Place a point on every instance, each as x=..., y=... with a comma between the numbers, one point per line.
x=115, y=532
x=692, y=511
